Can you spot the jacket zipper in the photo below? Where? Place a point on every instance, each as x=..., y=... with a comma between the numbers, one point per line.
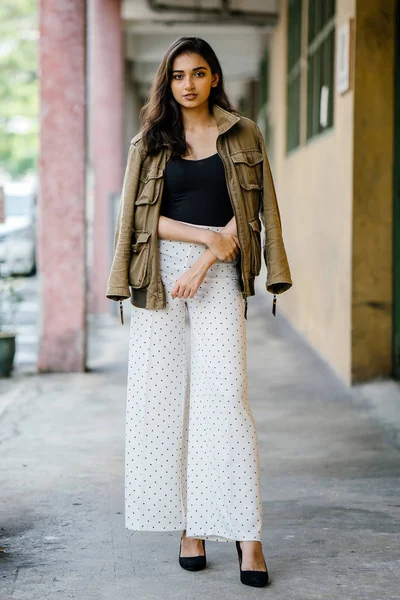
x=237, y=227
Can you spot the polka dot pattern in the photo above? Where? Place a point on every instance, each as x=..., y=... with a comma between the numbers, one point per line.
x=191, y=448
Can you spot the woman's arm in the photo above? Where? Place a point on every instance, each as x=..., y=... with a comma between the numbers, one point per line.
x=187, y=285
x=170, y=229
x=222, y=248
x=230, y=227
x=208, y=258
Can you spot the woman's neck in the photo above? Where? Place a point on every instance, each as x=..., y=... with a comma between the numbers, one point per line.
x=197, y=119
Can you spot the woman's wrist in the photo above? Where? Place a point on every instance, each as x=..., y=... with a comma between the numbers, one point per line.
x=206, y=235
x=207, y=259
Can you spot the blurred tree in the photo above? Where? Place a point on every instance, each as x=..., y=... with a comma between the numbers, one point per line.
x=19, y=100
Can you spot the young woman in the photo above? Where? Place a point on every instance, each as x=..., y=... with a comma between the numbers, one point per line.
x=188, y=245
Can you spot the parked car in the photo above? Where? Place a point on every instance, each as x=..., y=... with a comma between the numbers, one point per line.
x=18, y=232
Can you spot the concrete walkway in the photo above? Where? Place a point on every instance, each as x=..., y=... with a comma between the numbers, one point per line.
x=330, y=480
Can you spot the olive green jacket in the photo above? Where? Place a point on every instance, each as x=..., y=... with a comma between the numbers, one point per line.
x=135, y=271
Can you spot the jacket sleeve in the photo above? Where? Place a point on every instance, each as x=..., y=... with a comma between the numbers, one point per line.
x=279, y=278
x=118, y=280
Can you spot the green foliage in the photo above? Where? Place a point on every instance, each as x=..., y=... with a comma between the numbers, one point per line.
x=19, y=96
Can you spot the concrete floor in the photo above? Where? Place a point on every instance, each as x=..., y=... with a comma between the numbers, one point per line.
x=330, y=481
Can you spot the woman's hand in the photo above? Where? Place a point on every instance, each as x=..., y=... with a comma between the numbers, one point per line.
x=224, y=242
x=224, y=245
x=188, y=283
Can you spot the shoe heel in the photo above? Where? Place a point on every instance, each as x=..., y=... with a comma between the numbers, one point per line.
x=193, y=563
x=253, y=578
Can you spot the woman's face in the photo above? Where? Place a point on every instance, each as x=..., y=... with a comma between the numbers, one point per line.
x=192, y=80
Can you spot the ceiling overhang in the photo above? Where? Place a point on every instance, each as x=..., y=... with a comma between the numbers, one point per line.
x=218, y=11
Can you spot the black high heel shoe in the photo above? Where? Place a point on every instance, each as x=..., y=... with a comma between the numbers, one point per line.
x=193, y=563
x=254, y=578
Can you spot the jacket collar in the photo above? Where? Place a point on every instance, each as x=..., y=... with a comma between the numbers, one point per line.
x=224, y=119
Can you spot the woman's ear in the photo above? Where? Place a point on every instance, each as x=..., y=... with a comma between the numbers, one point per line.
x=215, y=80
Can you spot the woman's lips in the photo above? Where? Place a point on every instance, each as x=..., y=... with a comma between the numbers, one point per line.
x=190, y=96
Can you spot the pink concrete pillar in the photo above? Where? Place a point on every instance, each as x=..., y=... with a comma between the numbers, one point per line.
x=61, y=226
x=106, y=83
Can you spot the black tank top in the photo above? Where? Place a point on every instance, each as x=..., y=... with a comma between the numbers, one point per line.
x=195, y=191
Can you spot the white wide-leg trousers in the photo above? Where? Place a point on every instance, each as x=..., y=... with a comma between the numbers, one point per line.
x=191, y=448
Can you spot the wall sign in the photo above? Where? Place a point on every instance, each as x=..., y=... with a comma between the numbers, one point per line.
x=343, y=58
x=323, y=106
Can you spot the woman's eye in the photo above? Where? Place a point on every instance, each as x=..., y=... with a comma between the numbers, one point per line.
x=198, y=74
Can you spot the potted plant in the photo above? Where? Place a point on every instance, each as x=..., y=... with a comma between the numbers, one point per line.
x=10, y=298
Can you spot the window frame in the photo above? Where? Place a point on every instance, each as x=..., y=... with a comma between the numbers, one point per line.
x=311, y=58
x=320, y=63
x=293, y=74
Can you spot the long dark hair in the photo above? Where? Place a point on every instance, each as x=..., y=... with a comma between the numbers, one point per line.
x=161, y=115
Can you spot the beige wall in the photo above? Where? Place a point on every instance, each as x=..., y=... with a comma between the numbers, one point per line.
x=315, y=187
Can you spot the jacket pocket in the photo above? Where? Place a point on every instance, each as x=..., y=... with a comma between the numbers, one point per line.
x=255, y=238
x=150, y=186
x=138, y=269
x=248, y=165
